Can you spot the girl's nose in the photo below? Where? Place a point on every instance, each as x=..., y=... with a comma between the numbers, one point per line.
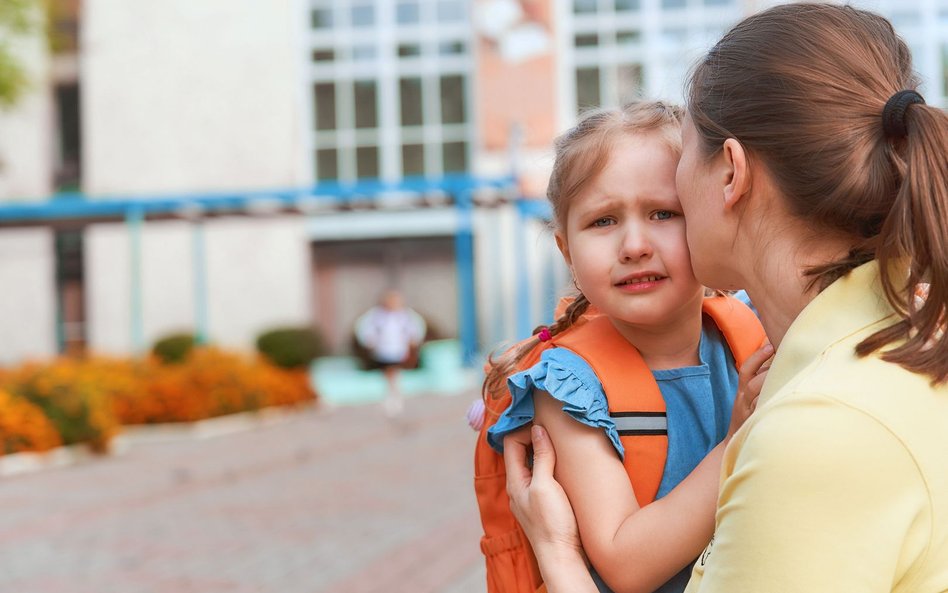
x=635, y=245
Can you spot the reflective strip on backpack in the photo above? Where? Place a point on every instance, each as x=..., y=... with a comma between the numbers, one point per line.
x=640, y=423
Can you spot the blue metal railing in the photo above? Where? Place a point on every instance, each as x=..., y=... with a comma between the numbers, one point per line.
x=74, y=205
x=134, y=210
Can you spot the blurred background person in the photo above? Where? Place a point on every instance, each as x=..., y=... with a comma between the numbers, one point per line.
x=392, y=333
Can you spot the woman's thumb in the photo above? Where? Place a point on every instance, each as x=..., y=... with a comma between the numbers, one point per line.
x=544, y=457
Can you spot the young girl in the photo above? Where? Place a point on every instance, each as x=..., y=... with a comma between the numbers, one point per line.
x=620, y=228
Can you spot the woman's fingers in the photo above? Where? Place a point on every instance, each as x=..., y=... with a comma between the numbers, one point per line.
x=516, y=446
x=544, y=457
x=750, y=380
x=755, y=362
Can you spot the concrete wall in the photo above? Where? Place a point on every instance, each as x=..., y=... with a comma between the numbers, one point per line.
x=183, y=96
x=257, y=274
x=27, y=299
x=27, y=258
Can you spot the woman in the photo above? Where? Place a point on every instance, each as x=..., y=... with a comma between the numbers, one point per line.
x=815, y=177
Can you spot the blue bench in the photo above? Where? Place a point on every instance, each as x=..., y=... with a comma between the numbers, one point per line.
x=339, y=380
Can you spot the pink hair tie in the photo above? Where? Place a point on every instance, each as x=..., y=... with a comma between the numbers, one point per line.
x=545, y=335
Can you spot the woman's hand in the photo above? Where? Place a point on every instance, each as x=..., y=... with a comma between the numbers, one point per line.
x=536, y=499
x=750, y=380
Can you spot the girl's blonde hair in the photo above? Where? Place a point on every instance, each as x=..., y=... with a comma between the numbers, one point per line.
x=580, y=155
x=803, y=88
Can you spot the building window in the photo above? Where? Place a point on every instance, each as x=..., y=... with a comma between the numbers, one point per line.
x=587, y=89
x=321, y=18
x=618, y=56
x=407, y=13
x=452, y=100
x=367, y=161
x=410, y=101
x=324, y=95
x=363, y=15
x=455, y=157
x=584, y=6
x=451, y=11
x=366, y=111
x=327, y=164
x=391, y=87
x=413, y=159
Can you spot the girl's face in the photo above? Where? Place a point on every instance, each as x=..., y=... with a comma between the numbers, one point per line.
x=624, y=237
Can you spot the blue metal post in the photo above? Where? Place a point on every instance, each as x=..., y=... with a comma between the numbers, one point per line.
x=199, y=267
x=524, y=310
x=134, y=218
x=464, y=254
x=549, y=286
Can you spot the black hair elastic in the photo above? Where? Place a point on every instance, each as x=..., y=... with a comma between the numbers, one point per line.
x=893, y=114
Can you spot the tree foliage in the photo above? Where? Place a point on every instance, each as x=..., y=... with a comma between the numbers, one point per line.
x=17, y=18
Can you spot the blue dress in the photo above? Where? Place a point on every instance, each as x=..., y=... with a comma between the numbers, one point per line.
x=698, y=402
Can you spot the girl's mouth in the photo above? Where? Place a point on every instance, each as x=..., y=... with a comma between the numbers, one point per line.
x=641, y=280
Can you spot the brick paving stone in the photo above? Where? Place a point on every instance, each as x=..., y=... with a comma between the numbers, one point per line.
x=338, y=500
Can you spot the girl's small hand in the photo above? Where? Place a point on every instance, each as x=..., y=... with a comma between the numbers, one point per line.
x=751, y=379
x=537, y=499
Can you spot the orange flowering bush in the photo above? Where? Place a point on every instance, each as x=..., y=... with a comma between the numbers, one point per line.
x=70, y=398
x=24, y=426
x=209, y=383
x=86, y=400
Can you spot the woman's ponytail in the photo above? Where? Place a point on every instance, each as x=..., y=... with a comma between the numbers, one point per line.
x=915, y=235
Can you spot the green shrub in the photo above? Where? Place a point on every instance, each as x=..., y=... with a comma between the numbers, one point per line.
x=291, y=347
x=173, y=349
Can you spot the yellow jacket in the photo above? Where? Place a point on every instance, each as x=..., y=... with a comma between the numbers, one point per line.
x=839, y=481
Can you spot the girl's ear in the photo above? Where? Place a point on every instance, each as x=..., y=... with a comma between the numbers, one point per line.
x=738, y=180
x=563, y=247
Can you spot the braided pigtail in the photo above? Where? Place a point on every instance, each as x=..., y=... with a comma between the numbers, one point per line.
x=505, y=365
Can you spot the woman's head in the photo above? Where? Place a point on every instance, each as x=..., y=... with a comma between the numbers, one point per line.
x=802, y=88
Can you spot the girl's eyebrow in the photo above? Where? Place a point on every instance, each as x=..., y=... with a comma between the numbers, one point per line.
x=670, y=201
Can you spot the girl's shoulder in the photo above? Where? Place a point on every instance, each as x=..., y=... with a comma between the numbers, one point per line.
x=567, y=378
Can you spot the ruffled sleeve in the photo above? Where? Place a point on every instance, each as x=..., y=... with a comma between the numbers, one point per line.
x=567, y=378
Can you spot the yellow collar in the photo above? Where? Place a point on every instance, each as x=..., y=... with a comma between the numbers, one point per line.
x=847, y=306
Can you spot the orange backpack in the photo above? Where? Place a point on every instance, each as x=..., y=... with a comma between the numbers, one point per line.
x=635, y=403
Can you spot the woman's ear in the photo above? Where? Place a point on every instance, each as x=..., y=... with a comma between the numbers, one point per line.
x=563, y=247
x=738, y=181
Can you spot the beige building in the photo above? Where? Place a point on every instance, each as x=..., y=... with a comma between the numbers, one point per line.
x=178, y=102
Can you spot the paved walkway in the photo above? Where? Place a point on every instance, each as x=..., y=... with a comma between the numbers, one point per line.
x=334, y=501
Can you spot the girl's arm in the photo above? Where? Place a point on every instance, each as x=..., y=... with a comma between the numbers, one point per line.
x=633, y=548
x=637, y=549
x=543, y=511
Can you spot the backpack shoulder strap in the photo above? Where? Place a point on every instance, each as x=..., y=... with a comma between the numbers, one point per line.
x=741, y=327
x=635, y=402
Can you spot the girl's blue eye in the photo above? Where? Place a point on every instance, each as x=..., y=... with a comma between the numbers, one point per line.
x=664, y=214
x=599, y=222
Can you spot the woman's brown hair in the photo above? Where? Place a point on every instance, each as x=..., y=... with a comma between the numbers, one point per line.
x=802, y=87
x=580, y=155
